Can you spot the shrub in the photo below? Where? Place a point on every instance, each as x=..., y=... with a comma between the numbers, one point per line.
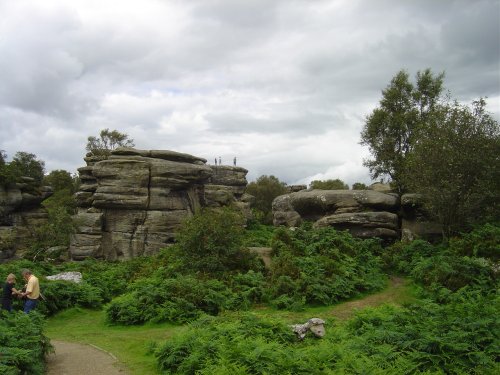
x=178, y=300
x=459, y=337
x=483, y=241
x=212, y=242
x=24, y=345
x=322, y=266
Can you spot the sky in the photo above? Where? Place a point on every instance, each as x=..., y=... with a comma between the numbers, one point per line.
x=282, y=85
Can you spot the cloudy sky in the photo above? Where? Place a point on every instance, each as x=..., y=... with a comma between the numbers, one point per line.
x=284, y=86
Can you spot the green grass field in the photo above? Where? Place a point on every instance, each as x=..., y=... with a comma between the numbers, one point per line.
x=130, y=344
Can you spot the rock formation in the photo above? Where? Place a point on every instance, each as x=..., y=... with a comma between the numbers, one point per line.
x=227, y=186
x=20, y=214
x=134, y=202
x=365, y=213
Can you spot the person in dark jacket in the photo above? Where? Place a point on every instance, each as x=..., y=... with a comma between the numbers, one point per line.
x=8, y=292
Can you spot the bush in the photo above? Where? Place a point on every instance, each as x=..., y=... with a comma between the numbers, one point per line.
x=459, y=337
x=483, y=241
x=245, y=345
x=24, y=345
x=178, y=300
x=212, y=242
x=322, y=266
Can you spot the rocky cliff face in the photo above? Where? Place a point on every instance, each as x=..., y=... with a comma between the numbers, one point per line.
x=133, y=202
x=227, y=186
x=20, y=214
x=365, y=213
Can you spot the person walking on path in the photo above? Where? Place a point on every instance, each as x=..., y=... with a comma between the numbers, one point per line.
x=32, y=292
x=8, y=291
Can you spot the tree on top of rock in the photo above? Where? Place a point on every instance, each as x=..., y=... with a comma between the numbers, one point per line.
x=107, y=141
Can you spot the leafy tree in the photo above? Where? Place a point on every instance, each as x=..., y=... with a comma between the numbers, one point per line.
x=393, y=128
x=265, y=189
x=6, y=174
x=26, y=164
x=359, y=186
x=455, y=165
x=108, y=141
x=336, y=184
x=59, y=180
x=212, y=242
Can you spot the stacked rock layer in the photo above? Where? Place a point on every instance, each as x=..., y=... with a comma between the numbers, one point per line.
x=133, y=202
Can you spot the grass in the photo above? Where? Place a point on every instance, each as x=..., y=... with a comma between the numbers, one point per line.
x=130, y=344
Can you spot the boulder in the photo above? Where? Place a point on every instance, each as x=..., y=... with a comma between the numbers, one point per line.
x=74, y=277
x=364, y=213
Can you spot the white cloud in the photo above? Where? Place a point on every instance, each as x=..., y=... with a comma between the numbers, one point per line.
x=283, y=85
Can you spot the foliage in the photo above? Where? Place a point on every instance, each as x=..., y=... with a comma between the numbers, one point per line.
x=246, y=345
x=108, y=141
x=258, y=235
x=24, y=345
x=7, y=175
x=265, y=189
x=392, y=130
x=56, y=232
x=455, y=167
x=483, y=241
x=179, y=300
x=458, y=337
x=359, y=186
x=212, y=242
x=60, y=180
x=336, y=184
x=27, y=164
x=322, y=266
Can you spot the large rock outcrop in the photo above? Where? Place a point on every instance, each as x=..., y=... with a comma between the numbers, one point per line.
x=133, y=202
x=365, y=213
x=20, y=214
x=227, y=187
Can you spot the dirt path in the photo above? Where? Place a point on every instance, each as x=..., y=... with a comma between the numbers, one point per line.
x=393, y=294
x=80, y=359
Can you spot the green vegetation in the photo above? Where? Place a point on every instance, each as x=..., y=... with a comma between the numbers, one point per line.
x=208, y=271
x=130, y=344
x=393, y=128
x=107, y=141
x=446, y=151
x=24, y=345
x=336, y=184
x=265, y=189
x=22, y=164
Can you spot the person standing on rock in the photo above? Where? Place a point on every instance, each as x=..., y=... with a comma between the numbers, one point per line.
x=8, y=291
x=32, y=292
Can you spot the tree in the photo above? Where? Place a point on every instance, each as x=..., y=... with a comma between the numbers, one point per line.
x=26, y=164
x=60, y=180
x=265, y=189
x=108, y=141
x=6, y=174
x=336, y=184
x=455, y=165
x=392, y=129
x=359, y=186
x=212, y=242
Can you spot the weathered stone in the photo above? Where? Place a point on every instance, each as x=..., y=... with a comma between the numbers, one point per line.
x=74, y=277
x=228, y=176
x=363, y=212
x=363, y=224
